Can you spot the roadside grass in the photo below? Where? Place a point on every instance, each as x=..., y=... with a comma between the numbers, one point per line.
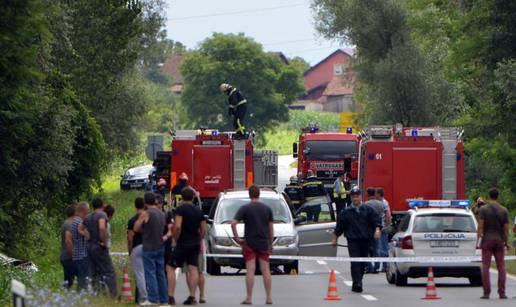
x=280, y=138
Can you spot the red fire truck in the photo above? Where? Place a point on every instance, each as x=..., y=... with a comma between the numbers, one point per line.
x=411, y=163
x=215, y=161
x=327, y=154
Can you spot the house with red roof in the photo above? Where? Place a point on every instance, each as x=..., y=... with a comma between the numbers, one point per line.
x=329, y=84
x=171, y=69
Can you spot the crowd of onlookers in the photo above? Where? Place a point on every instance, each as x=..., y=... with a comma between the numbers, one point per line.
x=86, y=241
x=158, y=241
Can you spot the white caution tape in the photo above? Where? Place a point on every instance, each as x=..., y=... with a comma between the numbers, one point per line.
x=436, y=259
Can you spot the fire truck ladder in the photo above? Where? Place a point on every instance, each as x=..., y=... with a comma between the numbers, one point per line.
x=449, y=140
x=239, y=164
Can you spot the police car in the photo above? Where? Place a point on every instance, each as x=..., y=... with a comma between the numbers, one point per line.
x=435, y=228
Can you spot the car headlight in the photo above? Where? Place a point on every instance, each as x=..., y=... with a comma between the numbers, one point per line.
x=223, y=241
x=285, y=241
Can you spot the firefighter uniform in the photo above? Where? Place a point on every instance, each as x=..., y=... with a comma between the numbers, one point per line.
x=295, y=193
x=237, y=107
x=313, y=188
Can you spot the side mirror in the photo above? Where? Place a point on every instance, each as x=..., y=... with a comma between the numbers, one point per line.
x=294, y=150
x=209, y=221
x=299, y=219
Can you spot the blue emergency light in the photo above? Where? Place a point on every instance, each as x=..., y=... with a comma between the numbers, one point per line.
x=414, y=132
x=314, y=129
x=421, y=203
x=349, y=130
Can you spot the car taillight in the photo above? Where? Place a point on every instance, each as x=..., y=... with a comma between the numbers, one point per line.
x=406, y=243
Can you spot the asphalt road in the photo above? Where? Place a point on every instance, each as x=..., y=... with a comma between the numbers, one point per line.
x=310, y=286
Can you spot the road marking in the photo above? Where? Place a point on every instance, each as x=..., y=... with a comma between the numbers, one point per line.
x=348, y=283
x=321, y=262
x=309, y=272
x=369, y=297
x=336, y=272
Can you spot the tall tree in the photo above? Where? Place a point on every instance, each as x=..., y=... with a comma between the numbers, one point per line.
x=397, y=83
x=268, y=84
x=106, y=37
x=47, y=138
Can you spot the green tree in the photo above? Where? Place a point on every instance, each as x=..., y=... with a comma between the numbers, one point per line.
x=51, y=150
x=397, y=83
x=106, y=39
x=268, y=84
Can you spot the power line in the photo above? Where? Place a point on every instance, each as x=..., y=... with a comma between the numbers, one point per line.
x=310, y=50
x=289, y=42
x=239, y=12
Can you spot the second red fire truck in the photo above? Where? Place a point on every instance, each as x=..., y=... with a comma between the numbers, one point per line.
x=328, y=154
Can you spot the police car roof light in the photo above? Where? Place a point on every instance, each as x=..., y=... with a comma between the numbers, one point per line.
x=421, y=203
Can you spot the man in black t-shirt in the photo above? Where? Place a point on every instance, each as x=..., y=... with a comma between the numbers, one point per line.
x=257, y=242
x=189, y=230
x=134, y=247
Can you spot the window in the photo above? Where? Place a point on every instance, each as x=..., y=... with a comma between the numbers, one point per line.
x=330, y=150
x=229, y=207
x=338, y=69
x=444, y=222
x=317, y=211
x=404, y=224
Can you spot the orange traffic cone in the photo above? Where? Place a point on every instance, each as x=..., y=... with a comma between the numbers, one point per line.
x=333, y=294
x=127, y=295
x=431, y=290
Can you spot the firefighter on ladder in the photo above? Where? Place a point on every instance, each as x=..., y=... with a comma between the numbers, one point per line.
x=237, y=107
x=312, y=189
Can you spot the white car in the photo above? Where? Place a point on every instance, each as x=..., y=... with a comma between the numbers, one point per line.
x=435, y=231
x=308, y=233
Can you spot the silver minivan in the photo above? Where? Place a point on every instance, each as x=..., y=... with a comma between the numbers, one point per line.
x=307, y=232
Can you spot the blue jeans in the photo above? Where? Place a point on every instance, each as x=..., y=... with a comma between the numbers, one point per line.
x=155, y=279
x=384, y=246
x=374, y=251
x=83, y=273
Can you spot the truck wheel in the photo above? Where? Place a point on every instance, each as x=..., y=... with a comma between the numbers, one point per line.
x=400, y=279
x=212, y=268
x=475, y=280
x=287, y=268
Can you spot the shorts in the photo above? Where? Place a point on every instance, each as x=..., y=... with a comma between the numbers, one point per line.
x=185, y=254
x=201, y=264
x=251, y=253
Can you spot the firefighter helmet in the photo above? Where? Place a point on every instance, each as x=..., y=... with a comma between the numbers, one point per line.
x=293, y=179
x=310, y=173
x=224, y=87
x=183, y=176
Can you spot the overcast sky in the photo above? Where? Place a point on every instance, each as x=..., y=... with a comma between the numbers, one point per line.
x=279, y=25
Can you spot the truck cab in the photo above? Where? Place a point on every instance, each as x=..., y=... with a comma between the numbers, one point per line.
x=328, y=154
